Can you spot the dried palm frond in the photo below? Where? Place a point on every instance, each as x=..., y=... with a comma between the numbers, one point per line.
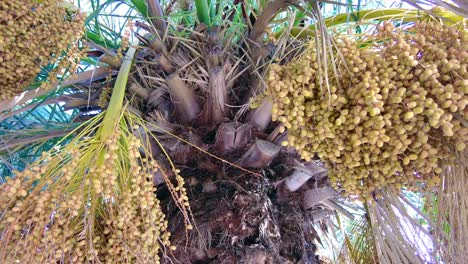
x=397, y=234
x=451, y=211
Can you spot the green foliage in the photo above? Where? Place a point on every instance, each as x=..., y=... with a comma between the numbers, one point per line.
x=359, y=245
x=203, y=11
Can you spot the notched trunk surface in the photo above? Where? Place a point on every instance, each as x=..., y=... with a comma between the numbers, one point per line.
x=243, y=215
x=266, y=224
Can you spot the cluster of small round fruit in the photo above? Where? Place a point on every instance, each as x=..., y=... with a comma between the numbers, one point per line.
x=34, y=34
x=392, y=115
x=92, y=202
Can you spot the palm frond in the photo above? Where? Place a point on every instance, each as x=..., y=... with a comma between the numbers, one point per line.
x=359, y=244
x=399, y=238
x=21, y=148
x=382, y=230
x=451, y=207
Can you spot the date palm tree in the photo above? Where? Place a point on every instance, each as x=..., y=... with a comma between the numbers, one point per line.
x=195, y=70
